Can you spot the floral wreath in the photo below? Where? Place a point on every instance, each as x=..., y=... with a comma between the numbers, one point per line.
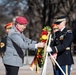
x=40, y=54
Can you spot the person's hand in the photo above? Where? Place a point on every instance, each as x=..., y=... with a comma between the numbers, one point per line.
x=49, y=49
x=40, y=44
x=54, y=55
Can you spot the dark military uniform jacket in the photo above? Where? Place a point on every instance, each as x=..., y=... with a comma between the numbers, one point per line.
x=62, y=45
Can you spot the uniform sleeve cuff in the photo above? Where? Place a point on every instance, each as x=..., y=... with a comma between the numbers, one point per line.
x=36, y=46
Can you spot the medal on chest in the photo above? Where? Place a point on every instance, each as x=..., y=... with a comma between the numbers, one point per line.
x=61, y=37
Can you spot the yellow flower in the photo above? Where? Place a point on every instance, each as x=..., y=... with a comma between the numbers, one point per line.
x=39, y=50
x=44, y=37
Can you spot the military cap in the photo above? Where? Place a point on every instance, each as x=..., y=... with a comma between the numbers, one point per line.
x=9, y=25
x=60, y=19
x=21, y=20
x=54, y=26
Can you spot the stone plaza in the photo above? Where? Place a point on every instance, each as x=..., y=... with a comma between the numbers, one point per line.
x=25, y=70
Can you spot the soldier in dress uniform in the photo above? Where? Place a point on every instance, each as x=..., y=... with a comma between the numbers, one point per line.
x=62, y=47
x=53, y=39
x=54, y=35
x=55, y=32
x=3, y=39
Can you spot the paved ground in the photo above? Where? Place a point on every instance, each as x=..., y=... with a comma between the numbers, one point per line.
x=25, y=70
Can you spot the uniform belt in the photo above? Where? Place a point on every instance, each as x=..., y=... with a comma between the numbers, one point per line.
x=68, y=48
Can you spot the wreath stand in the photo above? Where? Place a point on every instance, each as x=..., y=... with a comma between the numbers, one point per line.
x=43, y=72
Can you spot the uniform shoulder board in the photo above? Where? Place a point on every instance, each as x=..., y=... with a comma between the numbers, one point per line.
x=69, y=31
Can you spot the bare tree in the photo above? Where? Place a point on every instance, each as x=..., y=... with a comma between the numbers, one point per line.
x=38, y=12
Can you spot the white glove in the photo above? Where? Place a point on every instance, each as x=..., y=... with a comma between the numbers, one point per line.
x=49, y=49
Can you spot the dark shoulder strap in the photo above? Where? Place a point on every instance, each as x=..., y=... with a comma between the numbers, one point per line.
x=18, y=49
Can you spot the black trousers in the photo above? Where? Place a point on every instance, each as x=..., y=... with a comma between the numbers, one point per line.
x=11, y=70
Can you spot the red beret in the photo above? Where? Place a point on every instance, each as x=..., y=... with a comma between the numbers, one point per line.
x=8, y=25
x=21, y=20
